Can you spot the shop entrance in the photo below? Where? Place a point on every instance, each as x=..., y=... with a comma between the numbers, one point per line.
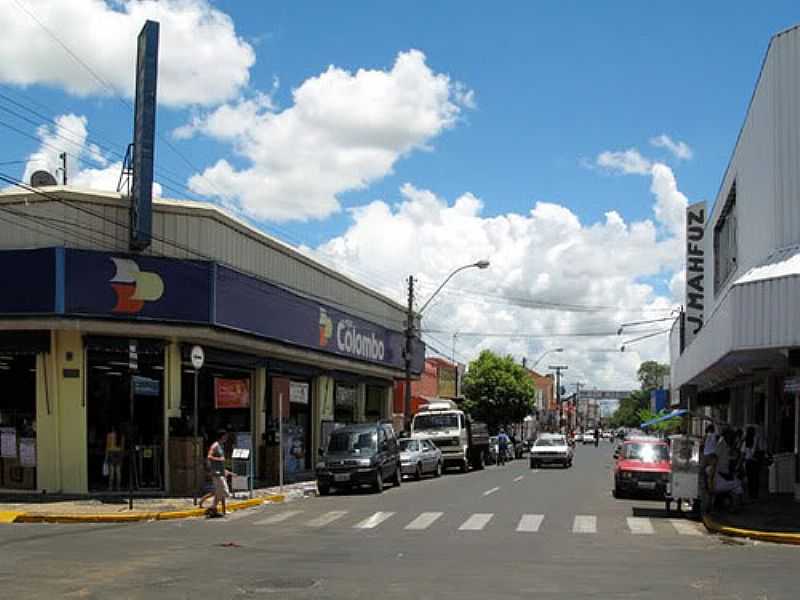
x=17, y=421
x=125, y=416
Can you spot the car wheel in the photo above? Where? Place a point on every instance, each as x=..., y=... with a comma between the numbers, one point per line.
x=398, y=477
x=418, y=472
x=438, y=469
x=533, y=464
x=378, y=485
x=464, y=466
x=324, y=490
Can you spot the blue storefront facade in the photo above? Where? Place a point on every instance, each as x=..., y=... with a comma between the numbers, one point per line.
x=105, y=340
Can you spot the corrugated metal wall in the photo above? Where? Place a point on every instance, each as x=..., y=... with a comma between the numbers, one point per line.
x=100, y=222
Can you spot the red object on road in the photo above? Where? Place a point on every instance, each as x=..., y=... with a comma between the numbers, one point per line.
x=642, y=465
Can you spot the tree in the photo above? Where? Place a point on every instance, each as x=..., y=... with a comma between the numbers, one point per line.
x=627, y=415
x=498, y=391
x=651, y=374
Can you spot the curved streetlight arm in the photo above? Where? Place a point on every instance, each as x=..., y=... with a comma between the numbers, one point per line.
x=538, y=360
x=478, y=265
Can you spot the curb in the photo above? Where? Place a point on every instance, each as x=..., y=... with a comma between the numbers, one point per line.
x=141, y=516
x=774, y=537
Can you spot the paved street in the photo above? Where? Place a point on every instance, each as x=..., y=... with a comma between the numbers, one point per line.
x=507, y=532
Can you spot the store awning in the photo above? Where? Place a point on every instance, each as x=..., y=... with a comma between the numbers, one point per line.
x=678, y=412
x=747, y=328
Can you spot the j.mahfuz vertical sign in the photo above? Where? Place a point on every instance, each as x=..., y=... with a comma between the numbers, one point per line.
x=695, y=270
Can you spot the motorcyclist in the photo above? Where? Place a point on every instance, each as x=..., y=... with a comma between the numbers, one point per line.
x=596, y=437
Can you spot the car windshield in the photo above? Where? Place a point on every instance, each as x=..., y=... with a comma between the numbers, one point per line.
x=355, y=442
x=422, y=422
x=409, y=445
x=649, y=453
x=549, y=442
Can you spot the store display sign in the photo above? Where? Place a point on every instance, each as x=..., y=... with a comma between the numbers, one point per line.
x=28, y=281
x=231, y=393
x=298, y=392
x=27, y=452
x=137, y=287
x=145, y=386
x=251, y=305
x=8, y=442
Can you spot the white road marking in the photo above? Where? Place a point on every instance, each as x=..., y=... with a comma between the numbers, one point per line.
x=279, y=517
x=327, y=518
x=530, y=523
x=373, y=521
x=491, y=491
x=520, y=478
x=476, y=522
x=685, y=527
x=424, y=520
x=584, y=524
x=640, y=526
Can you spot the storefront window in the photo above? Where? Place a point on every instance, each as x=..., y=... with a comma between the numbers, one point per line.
x=297, y=431
x=376, y=400
x=345, y=400
x=125, y=417
x=17, y=422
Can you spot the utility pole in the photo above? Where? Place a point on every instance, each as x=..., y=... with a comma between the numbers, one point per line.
x=578, y=387
x=558, y=369
x=409, y=340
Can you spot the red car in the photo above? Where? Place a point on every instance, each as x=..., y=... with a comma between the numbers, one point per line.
x=642, y=465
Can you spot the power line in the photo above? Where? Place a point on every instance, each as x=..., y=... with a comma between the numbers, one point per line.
x=531, y=335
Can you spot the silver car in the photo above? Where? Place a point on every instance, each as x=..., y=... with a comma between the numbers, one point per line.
x=420, y=456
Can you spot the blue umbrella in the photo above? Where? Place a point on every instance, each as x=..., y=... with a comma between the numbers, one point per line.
x=678, y=412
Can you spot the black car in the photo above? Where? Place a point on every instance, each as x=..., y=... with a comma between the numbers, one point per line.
x=359, y=455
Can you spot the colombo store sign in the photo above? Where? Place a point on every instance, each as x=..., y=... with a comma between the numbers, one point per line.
x=119, y=286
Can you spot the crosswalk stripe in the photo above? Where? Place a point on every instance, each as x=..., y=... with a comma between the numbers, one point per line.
x=327, y=518
x=520, y=478
x=685, y=527
x=373, y=521
x=491, y=491
x=279, y=517
x=584, y=524
x=530, y=523
x=424, y=520
x=476, y=522
x=640, y=526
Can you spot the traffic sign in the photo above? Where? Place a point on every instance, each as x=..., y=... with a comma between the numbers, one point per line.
x=198, y=357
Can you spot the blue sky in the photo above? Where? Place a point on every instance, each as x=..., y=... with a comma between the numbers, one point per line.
x=552, y=86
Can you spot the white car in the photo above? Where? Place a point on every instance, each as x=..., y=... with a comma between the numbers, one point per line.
x=551, y=449
x=588, y=437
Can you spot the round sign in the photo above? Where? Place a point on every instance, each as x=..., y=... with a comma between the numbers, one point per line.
x=198, y=357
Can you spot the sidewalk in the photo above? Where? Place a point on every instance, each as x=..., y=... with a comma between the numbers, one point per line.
x=776, y=519
x=37, y=508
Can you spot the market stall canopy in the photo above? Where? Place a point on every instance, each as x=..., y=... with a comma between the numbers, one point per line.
x=678, y=412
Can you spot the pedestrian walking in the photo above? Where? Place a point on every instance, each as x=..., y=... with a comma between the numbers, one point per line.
x=112, y=467
x=754, y=455
x=596, y=437
x=216, y=463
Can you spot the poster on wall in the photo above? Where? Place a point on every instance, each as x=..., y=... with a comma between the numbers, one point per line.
x=27, y=452
x=294, y=448
x=8, y=442
x=298, y=393
x=326, y=403
x=231, y=393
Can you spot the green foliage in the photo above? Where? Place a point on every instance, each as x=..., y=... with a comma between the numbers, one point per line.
x=651, y=374
x=627, y=415
x=498, y=391
x=670, y=426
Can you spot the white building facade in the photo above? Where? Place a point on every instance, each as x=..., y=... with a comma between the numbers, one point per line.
x=743, y=363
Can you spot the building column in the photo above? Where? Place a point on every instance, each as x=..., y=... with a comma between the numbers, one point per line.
x=69, y=395
x=321, y=409
x=259, y=416
x=48, y=457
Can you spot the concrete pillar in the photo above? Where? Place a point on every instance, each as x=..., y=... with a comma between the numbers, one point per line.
x=322, y=409
x=259, y=415
x=70, y=397
x=48, y=456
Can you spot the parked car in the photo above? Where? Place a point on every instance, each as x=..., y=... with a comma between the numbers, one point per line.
x=641, y=465
x=359, y=455
x=588, y=437
x=551, y=449
x=420, y=456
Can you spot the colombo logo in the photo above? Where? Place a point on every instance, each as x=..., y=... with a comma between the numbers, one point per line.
x=325, y=327
x=134, y=287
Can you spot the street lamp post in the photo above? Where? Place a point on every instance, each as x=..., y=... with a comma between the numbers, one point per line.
x=546, y=352
x=481, y=264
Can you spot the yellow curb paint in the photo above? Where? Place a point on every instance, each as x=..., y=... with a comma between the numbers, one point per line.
x=7, y=516
x=764, y=536
x=133, y=517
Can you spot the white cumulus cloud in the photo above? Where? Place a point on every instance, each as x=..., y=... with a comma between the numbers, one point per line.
x=626, y=162
x=551, y=275
x=680, y=150
x=103, y=35
x=343, y=131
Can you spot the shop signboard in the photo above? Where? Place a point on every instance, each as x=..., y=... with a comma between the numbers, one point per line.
x=447, y=382
x=28, y=281
x=256, y=306
x=695, y=270
x=128, y=286
x=145, y=386
x=231, y=393
x=298, y=392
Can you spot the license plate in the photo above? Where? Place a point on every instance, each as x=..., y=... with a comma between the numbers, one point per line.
x=341, y=477
x=647, y=485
